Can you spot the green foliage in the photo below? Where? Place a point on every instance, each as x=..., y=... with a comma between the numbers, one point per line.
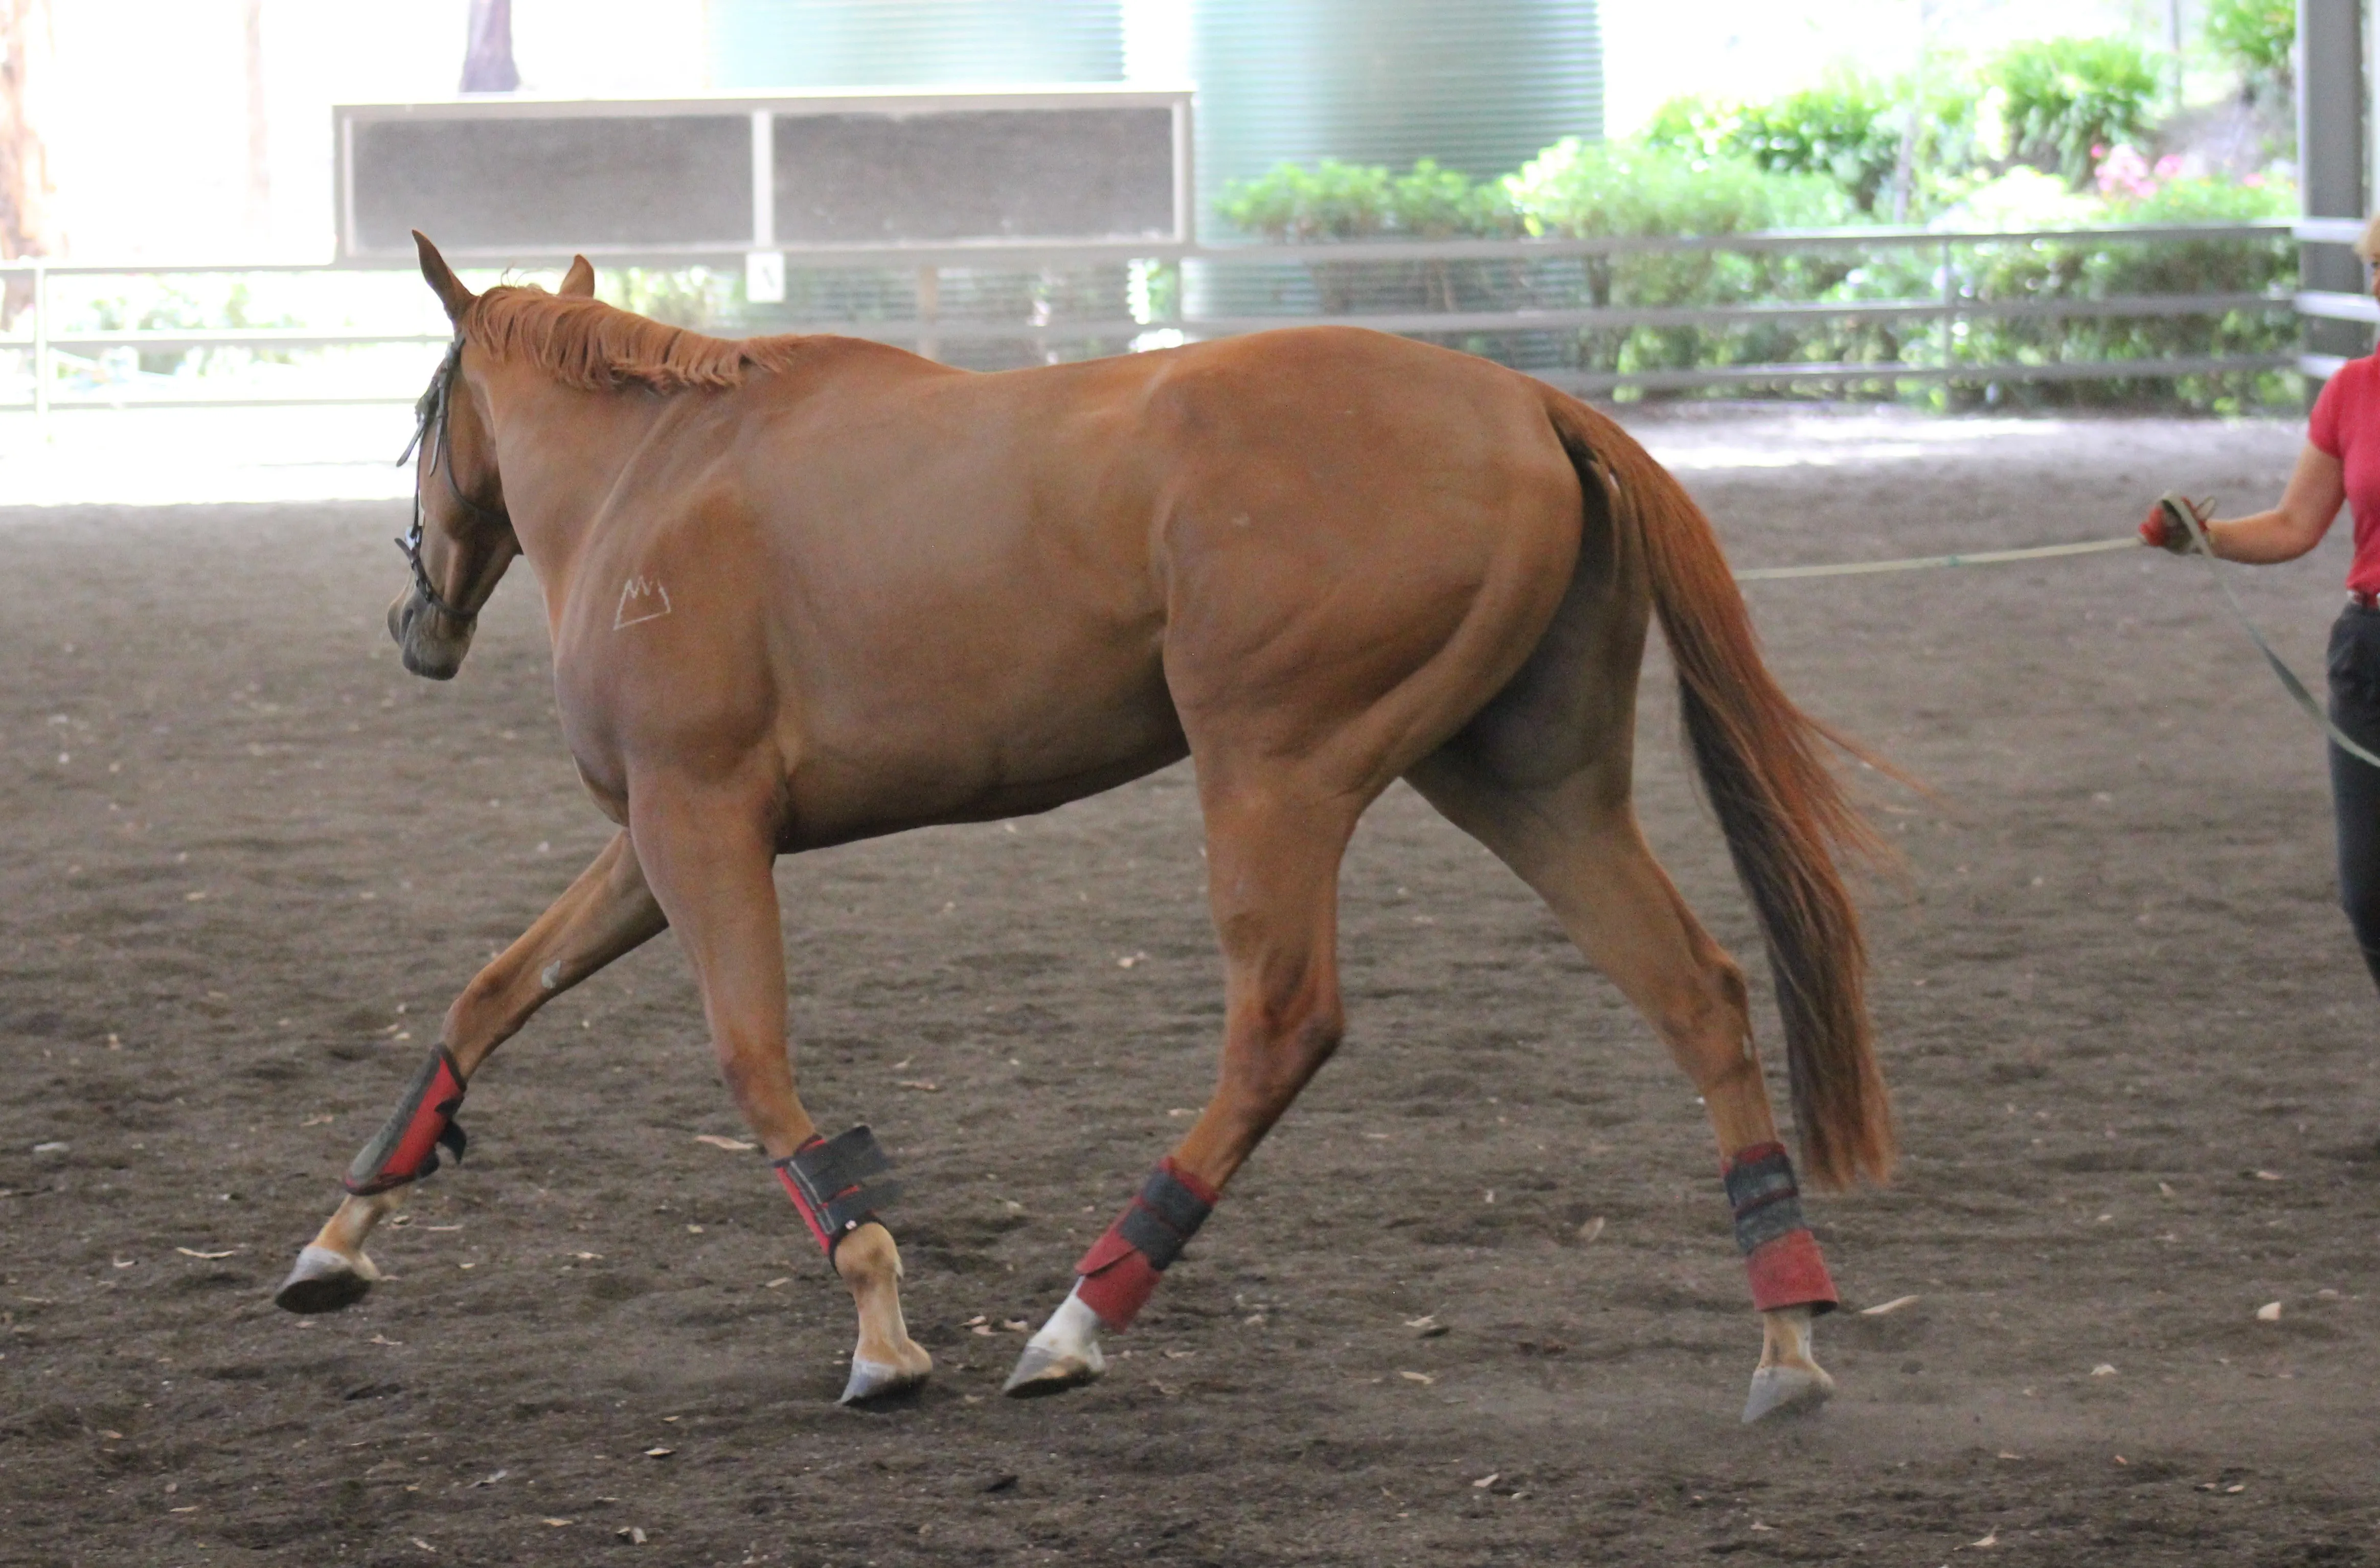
x=194, y=303
x=1337, y=201
x=697, y=297
x=1435, y=204
x=2210, y=200
x=2257, y=36
x=2046, y=269
x=1849, y=129
x=1826, y=158
x=1577, y=189
x=1605, y=187
x=2067, y=96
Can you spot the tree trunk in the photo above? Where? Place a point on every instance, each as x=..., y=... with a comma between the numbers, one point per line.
x=259, y=145
x=488, y=58
x=27, y=225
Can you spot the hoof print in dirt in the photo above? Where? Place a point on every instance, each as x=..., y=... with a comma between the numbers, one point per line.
x=324, y=1282
x=1786, y=1391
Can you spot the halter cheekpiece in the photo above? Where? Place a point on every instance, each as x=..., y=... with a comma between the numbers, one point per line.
x=429, y=410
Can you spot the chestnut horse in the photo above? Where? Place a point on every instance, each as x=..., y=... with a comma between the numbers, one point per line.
x=806, y=589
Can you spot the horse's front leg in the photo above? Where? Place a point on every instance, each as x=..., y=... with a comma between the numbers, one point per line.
x=711, y=857
x=607, y=912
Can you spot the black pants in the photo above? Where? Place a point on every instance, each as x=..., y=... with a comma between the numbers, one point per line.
x=2354, y=784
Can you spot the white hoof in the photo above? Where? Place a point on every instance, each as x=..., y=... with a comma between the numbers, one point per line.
x=878, y=1380
x=1065, y=1354
x=324, y=1281
x=1786, y=1391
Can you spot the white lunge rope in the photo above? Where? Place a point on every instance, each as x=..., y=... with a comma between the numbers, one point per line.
x=2174, y=508
x=1918, y=562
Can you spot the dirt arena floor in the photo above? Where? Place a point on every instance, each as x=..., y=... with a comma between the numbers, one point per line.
x=248, y=860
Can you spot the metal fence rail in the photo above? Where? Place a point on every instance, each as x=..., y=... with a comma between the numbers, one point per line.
x=935, y=323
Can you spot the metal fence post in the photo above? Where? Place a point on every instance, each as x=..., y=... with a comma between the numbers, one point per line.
x=1949, y=320
x=42, y=350
x=929, y=311
x=2332, y=176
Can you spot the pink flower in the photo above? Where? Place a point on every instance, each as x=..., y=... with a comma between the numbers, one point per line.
x=2125, y=170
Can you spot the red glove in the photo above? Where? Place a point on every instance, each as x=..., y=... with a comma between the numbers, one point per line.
x=2164, y=530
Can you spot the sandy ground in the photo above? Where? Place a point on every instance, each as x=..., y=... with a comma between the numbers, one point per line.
x=250, y=861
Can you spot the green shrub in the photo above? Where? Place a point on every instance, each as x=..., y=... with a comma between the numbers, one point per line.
x=1294, y=205
x=1435, y=204
x=2067, y=96
x=1582, y=190
x=2258, y=37
x=1297, y=206
x=1604, y=187
x=1848, y=129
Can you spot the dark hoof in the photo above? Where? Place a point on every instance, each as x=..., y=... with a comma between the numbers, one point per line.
x=1786, y=1391
x=874, y=1380
x=323, y=1282
x=1040, y=1372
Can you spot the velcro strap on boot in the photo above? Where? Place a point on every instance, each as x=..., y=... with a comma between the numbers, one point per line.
x=406, y=1149
x=833, y=1185
x=1762, y=1192
x=1120, y=1271
x=1779, y=1252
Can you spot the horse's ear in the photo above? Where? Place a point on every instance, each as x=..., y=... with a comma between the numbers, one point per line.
x=579, y=279
x=442, y=279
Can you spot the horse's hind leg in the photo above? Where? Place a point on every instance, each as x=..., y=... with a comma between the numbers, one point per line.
x=1273, y=880
x=606, y=912
x=710, y=859
x=1576, y=842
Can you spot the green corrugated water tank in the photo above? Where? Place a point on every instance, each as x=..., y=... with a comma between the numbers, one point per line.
x=1479, y=85
x=764, y=45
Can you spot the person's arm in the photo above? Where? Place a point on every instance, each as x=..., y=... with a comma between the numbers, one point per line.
x=2317, y=490
x=2297, y=524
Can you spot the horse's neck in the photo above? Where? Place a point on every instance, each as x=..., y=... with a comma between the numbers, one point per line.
x=562, y=453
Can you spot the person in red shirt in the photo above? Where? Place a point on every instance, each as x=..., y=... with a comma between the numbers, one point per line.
x=2339, y=462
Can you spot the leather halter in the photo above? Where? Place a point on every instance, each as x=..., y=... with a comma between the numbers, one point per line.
x=429, y=410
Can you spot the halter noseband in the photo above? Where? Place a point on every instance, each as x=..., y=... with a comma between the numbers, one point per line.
x=427, y=410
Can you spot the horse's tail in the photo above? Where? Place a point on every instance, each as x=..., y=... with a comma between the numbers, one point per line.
x=1786, y=816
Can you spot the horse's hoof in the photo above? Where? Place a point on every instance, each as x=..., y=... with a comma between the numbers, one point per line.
x=878, y=1380
x=1041, y=1371
x=323, y=1280
x=1786, y=1391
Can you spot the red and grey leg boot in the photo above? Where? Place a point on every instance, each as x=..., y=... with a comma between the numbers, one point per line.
x=1116, y=1281
x=836, y=1186
x=1781, y=1257
x=405, y=1150
x=830, y=1183
x=332, y=1271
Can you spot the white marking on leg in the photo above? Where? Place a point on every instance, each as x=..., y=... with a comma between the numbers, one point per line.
x=551, y=976
x=638, y=597
x=1072, y=1332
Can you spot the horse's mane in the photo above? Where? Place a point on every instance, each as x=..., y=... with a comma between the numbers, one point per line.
x=598, y=348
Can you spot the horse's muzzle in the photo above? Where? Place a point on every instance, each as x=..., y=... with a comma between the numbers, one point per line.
x=430, y=642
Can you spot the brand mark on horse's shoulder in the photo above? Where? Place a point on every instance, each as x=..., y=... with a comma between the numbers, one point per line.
x=641, y=599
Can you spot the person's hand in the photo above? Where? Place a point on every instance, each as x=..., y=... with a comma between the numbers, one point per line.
x=2164, y=528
